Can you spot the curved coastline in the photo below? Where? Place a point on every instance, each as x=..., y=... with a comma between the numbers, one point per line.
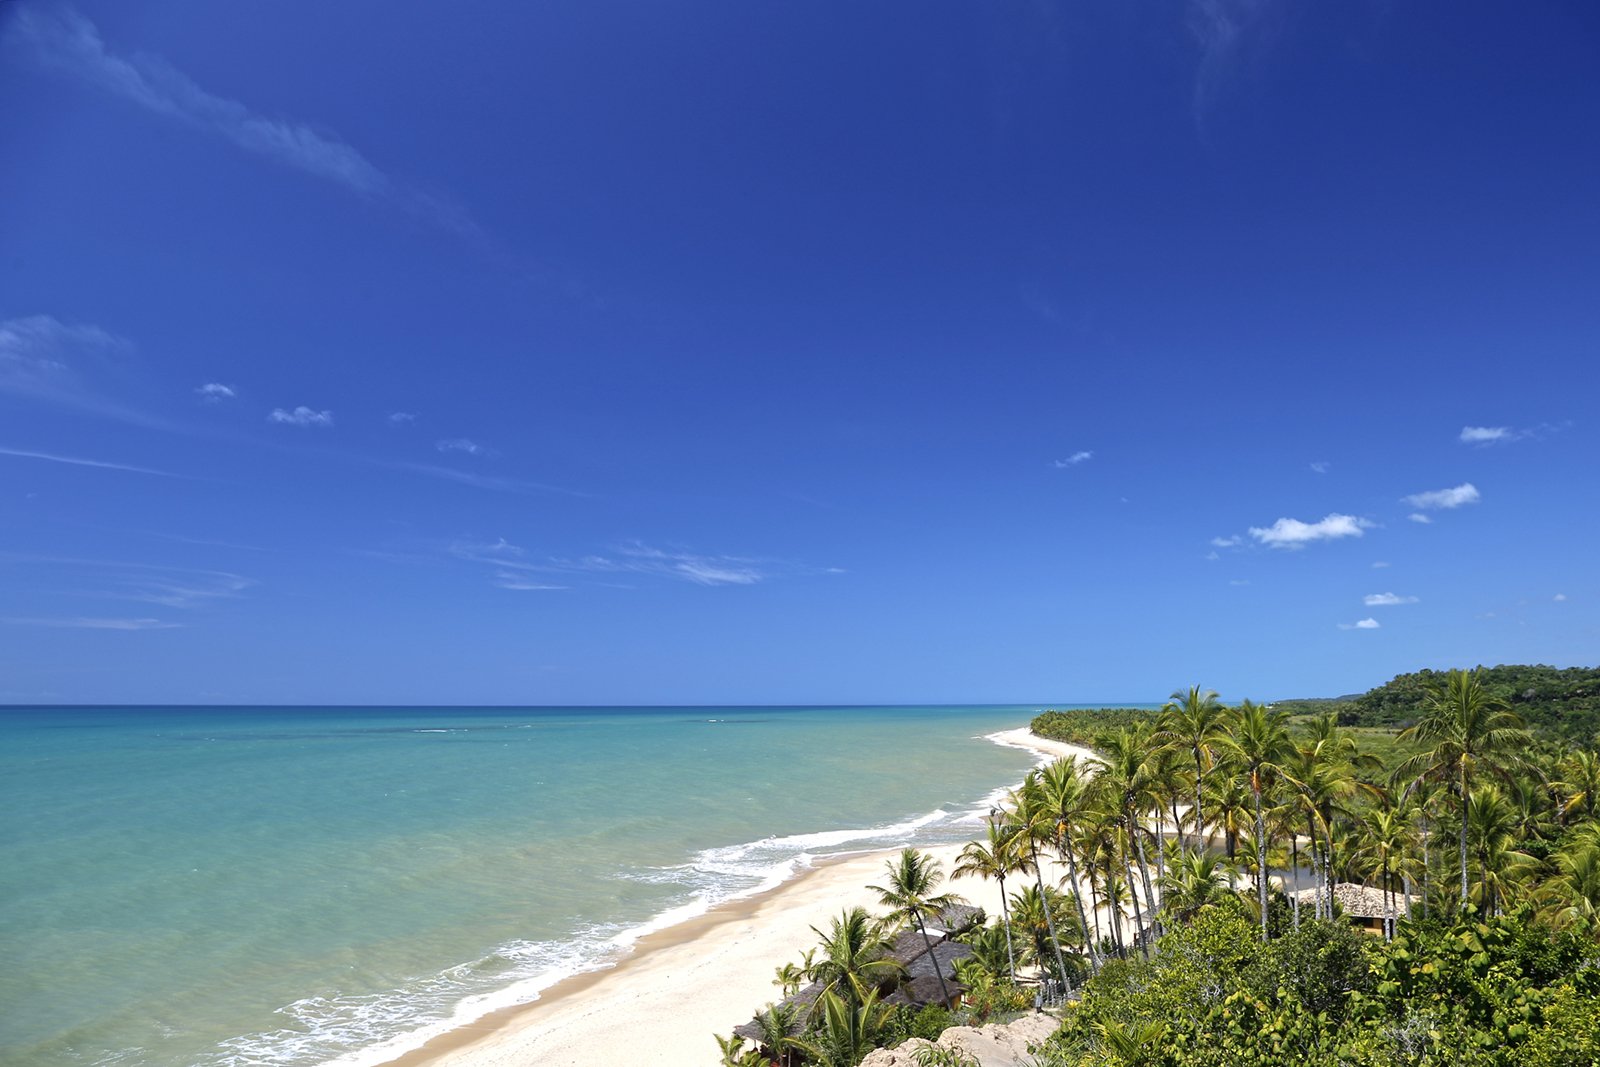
x=683, y=982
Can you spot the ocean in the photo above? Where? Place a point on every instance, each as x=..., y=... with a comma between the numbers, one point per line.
x=217, y=887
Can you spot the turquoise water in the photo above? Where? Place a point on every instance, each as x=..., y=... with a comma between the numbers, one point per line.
x=239, y=886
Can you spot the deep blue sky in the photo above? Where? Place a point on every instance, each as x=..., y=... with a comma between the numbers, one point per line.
x=675, y=353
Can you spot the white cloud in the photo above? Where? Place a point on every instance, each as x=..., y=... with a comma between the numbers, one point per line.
x=1373, y=600
x=1227, y=542
x=1238, y=581
x=81, y=623
x=1074, y=459
x=301, y=416
x=512, y=580
x=463, y=444
x=65, y=40
x=1362, y=624
x=1465, y=493
x=1212, y=555
x=216, y=392
x=76, y=462
x=1292, y=533
x=1380, y=565
x=1321, y=467
x=1417, y=516
x=400, y=418
x=1559, y=597
x=1486, y=435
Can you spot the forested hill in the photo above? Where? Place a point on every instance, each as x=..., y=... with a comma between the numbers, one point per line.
x=1564, y=701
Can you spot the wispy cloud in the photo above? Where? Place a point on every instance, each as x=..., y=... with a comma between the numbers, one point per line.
x=467, y=445
x=1292, y=533
x=1465, y=493
x=1373, y=600
x=70, y=364
x=521, y=582
x=1361, y=624
x=1227, y=542
x=301, y=416
x=485, y=481
x=1321, y=467
x=1419, y=517
x=76, y=461
x=216, y=392
x=65, y=40
x=1486, y=435
x=84, y=623
x=1559, y=597
x=1074, y=459
x=1380, y=565
x=401, y=418
x=511, y=562
x=1220, y=28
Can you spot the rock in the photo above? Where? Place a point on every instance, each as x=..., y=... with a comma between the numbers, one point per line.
x=996, y=1045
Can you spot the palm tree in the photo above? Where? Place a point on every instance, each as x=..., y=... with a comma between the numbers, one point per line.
x=1064, y=792
x=1492, y=831
x=1323, y=777
x=1579, y=784
x=1194, y=721
x=1385, y=851
x=912, y=900
x=1260, y=742
x=853, y=959
x=846, y=1030
x=995, y=859
x=1039, y=914
x=1463, y=729
x=1194, y=881
x=778, y=1025
x=1573, y=895
x=1032, y=822
x=1126, y=785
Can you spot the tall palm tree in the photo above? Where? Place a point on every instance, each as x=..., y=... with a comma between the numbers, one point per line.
x=1323, y=776
x=912, y=898
x=853, y=957
x=1194, y=881
x=1039, y=916
x=1194, y=720
x=1127, y=786
x=1572, y=897
x=994, y=858
x=1386, y=838
x=1064, y=791
x=1463, y=731
x=1032, y=822
x=1260, y=743
x=1492, y=834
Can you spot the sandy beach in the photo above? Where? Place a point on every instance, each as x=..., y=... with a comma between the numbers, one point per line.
x=664, y=1001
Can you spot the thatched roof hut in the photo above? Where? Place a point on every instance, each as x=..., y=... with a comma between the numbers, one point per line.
x=1364, y=905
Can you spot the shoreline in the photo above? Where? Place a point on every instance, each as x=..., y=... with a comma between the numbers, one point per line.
x=687, y=982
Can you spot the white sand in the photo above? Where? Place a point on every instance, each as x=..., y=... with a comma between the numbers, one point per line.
x=663, y=1002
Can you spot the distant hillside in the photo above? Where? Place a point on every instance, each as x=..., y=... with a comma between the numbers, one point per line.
x=1563, y=701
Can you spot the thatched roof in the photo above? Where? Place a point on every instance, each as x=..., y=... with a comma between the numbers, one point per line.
x=957, y=919
x=944, y=955
x=801, y=1002
x=1359, y=901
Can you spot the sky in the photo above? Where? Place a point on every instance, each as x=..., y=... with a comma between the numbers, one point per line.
x=630, y=353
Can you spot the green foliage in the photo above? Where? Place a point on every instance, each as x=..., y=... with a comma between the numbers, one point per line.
x=1562, y=701
x=938, y=1056
x=1502, y=992
x=1083, y=726
x=904, y=1023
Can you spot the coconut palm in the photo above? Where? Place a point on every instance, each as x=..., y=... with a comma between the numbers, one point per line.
x=1572, y=897
x=1492, y=834
x=1039, y=915
x=1386, y=837
x=1194, y=881
x=994, y=858
x=1260, y=744
x=779, y=1024
x=912, y=898
x=1195, y=721
x=1064, y=791
x=1032, y=822
x=1463, y=731
x=1579, y=784
x=846, y=1030
x=853, y=958
x=1127, y=787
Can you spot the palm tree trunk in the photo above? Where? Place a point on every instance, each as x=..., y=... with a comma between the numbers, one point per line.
x=1083, y=920
x=1049, y=919
x=1199, y=782
x=1144, y=871
x=1005, y=911
x=1463, y=843
x=1425, y=850
x=1138, y=912
x=938, y=971
x=1177, y=823
x=1261, y=855
x=1294, y=848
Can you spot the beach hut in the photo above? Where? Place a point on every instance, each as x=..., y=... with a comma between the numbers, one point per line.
x=1362, y=905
